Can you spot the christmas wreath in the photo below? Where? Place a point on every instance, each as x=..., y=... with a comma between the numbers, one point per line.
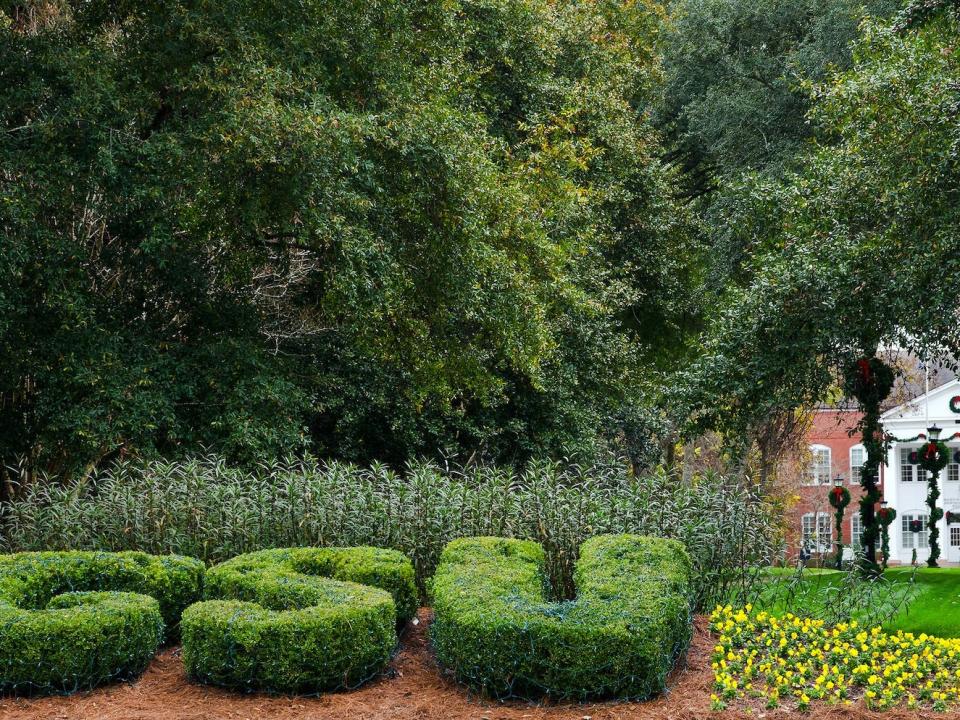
x=839, y=497
x=933, y=456
x=916, y=526
x=952, y=518
x=886, y=515
x=869, y=380
x=955, y=404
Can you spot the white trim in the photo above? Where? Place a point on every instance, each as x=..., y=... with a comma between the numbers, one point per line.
x=812, y=480
x=891, y=414
x=850, y=465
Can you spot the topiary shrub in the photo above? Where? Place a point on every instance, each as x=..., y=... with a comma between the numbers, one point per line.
x=299, y=619
x=73, y=620
x=495, y=630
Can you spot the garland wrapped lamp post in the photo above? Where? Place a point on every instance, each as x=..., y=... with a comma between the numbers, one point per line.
x=839, y=499
x=933, y=457
x=885, y=516
x=870, y=380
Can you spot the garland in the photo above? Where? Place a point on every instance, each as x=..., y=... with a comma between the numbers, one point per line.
x=933, y=457
x=922, y=436
x=839, y=498
x=870, y=380
x=885, y=516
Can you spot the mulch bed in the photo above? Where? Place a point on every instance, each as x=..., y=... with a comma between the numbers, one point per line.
x=413, y=689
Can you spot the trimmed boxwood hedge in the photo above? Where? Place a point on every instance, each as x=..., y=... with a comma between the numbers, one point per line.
x=494, y=629
x=73, y=620
x=301, y=620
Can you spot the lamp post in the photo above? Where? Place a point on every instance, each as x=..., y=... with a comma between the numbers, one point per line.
x=933, y=459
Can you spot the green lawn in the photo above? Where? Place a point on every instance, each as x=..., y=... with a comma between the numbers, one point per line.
x=922, y=600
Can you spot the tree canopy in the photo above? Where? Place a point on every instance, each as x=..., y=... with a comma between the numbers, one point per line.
x=370, y=229
x=857, y=248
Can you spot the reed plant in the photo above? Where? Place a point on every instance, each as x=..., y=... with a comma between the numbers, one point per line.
x=206, y=508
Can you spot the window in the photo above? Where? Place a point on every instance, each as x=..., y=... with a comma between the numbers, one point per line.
x=820, y=465
x=919, y=540
x=857, y=457
x=856, y=530
x=953, y=469
x=954, y=536
x=910, y=471
x=817, y=531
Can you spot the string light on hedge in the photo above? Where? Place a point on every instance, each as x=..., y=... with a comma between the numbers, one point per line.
x=839, y=498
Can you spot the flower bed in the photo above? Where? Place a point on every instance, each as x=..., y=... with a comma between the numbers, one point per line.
x=796, y=661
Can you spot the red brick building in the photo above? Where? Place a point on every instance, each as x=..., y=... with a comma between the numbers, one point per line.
x=833, y=451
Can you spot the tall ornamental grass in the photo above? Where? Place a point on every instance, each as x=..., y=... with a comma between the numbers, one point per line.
x=205, y=508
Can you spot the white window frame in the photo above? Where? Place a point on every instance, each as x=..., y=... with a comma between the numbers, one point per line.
x=816, y=532
x=952, y=473
x=856, y=467
x=910, y=472
x=815, y=470
x=912, y=540
x=856, y=530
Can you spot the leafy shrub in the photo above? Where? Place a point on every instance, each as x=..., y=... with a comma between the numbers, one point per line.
x=213, y=511
x=299, y=619
x=73, y=620
x=620, y=637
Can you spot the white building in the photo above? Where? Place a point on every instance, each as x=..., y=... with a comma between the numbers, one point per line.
x=904, y=488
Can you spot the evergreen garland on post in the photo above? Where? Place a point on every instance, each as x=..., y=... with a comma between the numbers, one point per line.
x=870, y=380
x=933, y=457
x=885, y=516
x=839, y=499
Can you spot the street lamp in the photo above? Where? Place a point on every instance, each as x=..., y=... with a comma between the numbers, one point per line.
x=934, y=431
x=838, y=481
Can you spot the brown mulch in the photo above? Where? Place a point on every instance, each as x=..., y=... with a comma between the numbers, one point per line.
x=413, y=689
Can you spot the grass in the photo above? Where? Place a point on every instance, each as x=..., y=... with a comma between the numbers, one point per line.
x=922, y=600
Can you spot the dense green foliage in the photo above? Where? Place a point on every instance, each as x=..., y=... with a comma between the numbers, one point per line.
x=377, y=230
x=858, y=247
x=213, y=511
x=298, y=619
x=74, y=620
x=736, y=94
x=630, y=620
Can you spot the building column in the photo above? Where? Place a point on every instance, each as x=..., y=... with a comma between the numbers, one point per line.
x=891, y=486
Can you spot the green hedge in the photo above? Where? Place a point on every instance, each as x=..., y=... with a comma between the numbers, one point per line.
x=73, y=620
x=619, y=638
x=299, y=619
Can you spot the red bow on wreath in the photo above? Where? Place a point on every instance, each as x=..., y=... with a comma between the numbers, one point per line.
x=931, y=450
x=864, y=366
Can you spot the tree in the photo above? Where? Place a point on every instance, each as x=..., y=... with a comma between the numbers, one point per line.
x=376, y=230
x=735, y=96
x=858, y=248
